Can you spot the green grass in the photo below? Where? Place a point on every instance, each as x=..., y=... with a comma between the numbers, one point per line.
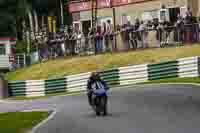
x=174, y=80
x=44, y=97
x=68, y=65
x=20, y=122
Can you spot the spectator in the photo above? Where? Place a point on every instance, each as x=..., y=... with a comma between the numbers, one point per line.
x=188, y=16
x=120, y=43
x=131, y=38
x=78, y=42
x=188, y=26
x=99, y=40
x=159, y=33
x=136, y=28
x=144, y=34
x=199, y=26
x=155, y=23
x=73, y=39
x=134, y=37
x=123, y=36
x=179, y=29
x=60, y=43
x=70, y=32
x=126, y=35
x=67, y=41
x=104, y=34
x=109, y=36
x=91, y=40
x=149, y=24
x=167, y=30
x=137, y=24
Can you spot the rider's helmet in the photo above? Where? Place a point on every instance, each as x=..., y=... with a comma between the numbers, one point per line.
x=95, y=76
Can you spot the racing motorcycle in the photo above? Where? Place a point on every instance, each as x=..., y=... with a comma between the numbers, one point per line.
x=99, y=102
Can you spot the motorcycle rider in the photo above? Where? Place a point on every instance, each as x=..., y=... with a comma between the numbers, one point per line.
x=94, y=83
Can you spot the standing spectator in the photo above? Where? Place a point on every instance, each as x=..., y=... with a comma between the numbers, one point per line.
x=83, y=43
x=189, y=15
x=109, y=36
x=198, y=28
x=131, y=36
x=188, y=26
x=157, y=27
x=99, y=40
x=123, y=36
x=61, y=43
x=134, y=37
x=70, y=41
x=143, y=33
x=67, y=42
x=91, y=41
x=78, y=42
x=120, y=44
x=155, y=23
x=167, y=29
x=136, y=28
x=126, y=36
x=104, y=34
x=179, y=29
x=159, y=32
x=73, y=41
x=137, y=24
x=163, y=14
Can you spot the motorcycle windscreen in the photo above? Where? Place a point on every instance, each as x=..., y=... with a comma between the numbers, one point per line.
x=100, y=92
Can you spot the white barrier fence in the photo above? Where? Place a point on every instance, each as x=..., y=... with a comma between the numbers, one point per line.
x=133, y=74
x=188, y=67
x=181, y=68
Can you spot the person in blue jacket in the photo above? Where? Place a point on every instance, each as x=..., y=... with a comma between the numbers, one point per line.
x=95, y=83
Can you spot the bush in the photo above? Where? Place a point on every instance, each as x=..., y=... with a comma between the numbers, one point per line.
x=21, y=47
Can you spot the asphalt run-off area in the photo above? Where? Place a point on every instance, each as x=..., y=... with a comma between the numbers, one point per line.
x=133, y=109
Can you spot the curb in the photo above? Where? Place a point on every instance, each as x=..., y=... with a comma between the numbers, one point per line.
x=114, y=88
x=42, y=98
x=52, y=114
x=195, y=84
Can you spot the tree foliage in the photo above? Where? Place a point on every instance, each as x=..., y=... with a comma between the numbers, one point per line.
x=13, y=11
x=7, y=17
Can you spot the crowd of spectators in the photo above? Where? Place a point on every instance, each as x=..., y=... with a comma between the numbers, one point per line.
x=107, y=38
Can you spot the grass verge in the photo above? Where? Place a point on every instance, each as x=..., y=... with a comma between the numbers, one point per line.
x=44, y=97
x=20, y=122
x=175, y=80
x=67, y=66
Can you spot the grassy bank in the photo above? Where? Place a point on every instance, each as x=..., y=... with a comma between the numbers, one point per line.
x=20, y=122
x=44, y=97
x=175, y=80
x=67, y=66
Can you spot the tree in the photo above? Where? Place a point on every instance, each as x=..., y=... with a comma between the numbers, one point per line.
x=24, y=11
x=8, y=16
x=14, y=13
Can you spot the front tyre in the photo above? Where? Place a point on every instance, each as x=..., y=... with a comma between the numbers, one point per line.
x=98, y=113
x=104, y=105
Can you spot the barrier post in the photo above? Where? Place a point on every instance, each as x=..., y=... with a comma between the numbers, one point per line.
x=3, y=88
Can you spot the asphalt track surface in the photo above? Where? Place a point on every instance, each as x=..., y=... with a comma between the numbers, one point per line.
x=136, y=109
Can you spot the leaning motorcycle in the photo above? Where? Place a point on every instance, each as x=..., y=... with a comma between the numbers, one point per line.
x=99, y=102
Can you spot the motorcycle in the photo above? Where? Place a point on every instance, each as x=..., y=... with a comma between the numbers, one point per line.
x=99, y=103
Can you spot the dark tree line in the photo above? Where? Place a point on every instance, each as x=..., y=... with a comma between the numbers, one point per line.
x=14, y=12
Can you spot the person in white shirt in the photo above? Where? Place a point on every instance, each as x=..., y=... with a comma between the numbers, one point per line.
x=109, y=37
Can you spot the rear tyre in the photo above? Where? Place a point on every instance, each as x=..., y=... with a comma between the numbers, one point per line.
x=98, y=113
x=97, y=104
x=104, y=106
